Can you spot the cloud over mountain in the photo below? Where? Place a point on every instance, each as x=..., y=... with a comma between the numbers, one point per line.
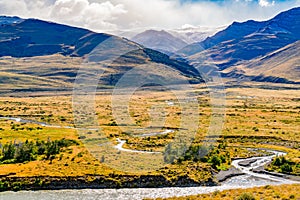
x=104, y=15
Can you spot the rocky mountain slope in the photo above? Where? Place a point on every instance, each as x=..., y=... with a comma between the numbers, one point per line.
x=35, y=54
x=247, y=40
x=282, y=65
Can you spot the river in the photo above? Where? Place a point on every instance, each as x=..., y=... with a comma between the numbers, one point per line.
x=249, y=180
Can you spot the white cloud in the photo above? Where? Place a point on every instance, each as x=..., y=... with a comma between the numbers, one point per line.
x=19, y=6
x=90, y=15
x=104, y=15
x=187, y=26
x=265, y=3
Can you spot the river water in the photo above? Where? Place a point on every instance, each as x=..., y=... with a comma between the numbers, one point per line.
x=244, y=181
x=249, y=180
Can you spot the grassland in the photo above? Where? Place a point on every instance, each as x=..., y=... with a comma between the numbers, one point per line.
x=256, y=117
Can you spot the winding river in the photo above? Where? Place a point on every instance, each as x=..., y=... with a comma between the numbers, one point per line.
x=249, y=180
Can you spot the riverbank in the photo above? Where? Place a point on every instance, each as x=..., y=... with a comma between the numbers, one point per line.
x=236, y=184
x=252, y=167
x=16, y=182
x=12, y=183
x=265, y=192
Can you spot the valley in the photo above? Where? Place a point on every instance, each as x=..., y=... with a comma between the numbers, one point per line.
x=278, y=132
x=212, y=112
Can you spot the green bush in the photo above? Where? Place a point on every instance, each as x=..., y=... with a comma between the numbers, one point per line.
x=286, y=168
x=215, y=161
x=28, y=151
x=246, y=196
x=216, y=156
x=284, y=165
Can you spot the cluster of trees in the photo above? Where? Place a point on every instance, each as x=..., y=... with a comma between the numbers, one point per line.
x=216, y=156
x=30, y=150
x=283, y=164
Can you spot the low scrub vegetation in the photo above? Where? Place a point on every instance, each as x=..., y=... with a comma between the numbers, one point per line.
x=255, y=118
x=14, y=152
x=246, y=196
x=284, y=165
x=218, y=157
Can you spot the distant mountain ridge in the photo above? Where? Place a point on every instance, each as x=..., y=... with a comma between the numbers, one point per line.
x=194, y=34
x=10, y=20
x=159, y=40
x=234, y=31
x=170, y=41
x=251, y=49
x=248, y=40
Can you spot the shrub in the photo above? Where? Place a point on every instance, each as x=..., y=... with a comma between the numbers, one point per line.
x=8, y=151
x=28, y=151
x=246, y=196
x=25, y=152
x=286, y=168
x=277, y=161
x=215, y=161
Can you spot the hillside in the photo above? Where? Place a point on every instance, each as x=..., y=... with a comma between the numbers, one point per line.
x=170, y=41
x=247, y=40
x=33, y=37
x=234, y=31
x=38, y=55
x=278, y=66
x=159, y=40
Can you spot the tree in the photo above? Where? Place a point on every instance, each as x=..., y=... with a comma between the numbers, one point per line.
x=41, y=147
x=51, y=149
x=25, y=152
x=215, y=161
x=277, y=161
x=8, y=151
x=286, y=168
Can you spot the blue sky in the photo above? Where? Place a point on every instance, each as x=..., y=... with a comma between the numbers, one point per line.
x=112, y=15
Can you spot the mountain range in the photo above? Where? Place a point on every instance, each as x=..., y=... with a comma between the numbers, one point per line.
x=170, y=41
x=33, y=37
x=28, y=48
x=159, y=40
x=247, y=40
x=192, y=34
x=282, y=65
x=261, y=51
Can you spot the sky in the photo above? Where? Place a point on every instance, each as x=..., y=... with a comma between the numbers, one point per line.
x=112, y=15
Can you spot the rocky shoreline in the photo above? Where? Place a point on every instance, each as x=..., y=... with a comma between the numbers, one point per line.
x=13, y=183
x=262, y=170
x=224, y=175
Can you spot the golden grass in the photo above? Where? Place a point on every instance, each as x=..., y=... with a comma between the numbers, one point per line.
x=255, y=112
